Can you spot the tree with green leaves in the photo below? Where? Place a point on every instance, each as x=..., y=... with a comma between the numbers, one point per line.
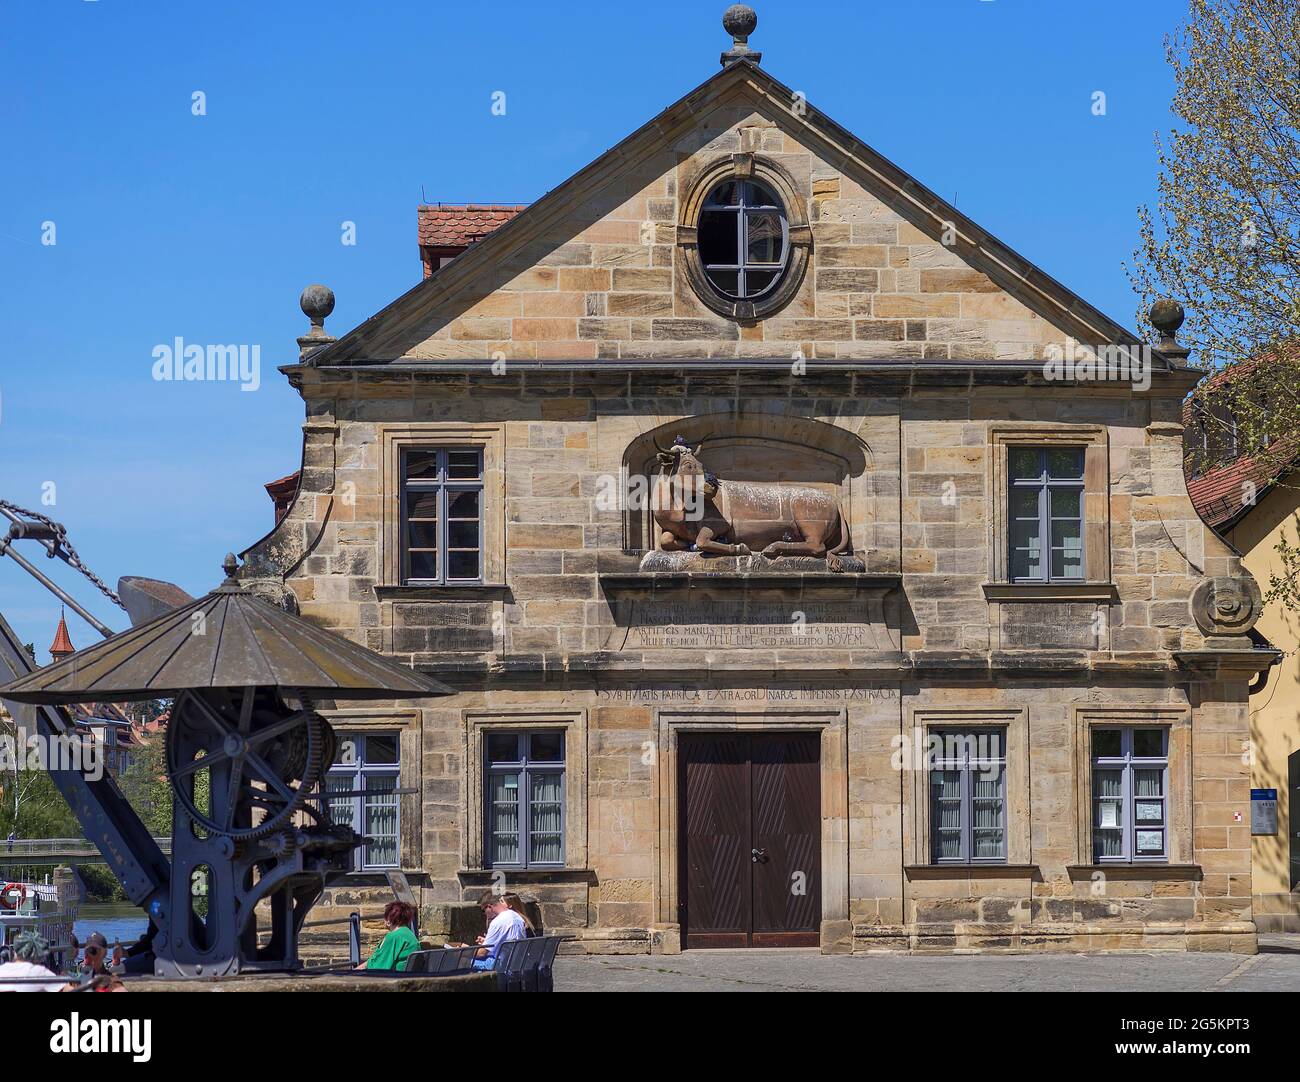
x=146, y=787
x=1224, y=236
x=30, y=805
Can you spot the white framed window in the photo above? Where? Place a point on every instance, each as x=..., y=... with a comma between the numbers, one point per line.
x=1130, y=794
x=361, y=789
x=442, y=515
x=524, y=806
x=968, y=797
x=1046, y=514
x=743, y=238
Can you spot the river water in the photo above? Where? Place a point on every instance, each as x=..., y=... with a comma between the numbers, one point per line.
x=116, y=920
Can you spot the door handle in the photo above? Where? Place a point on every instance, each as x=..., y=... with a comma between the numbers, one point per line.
x=755, y=855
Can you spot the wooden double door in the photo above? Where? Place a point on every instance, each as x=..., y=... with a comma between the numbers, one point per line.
x=750, y=839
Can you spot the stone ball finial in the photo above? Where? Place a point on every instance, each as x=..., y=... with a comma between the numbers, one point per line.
x=230, y=565
x=1167, y=316
x=317, y=302
x=739, y=21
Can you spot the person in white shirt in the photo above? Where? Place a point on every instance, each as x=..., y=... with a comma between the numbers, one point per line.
x=504, y=925
x=31, y=955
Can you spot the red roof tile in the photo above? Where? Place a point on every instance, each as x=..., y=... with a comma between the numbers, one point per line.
x=1217, y=495
x=444, y=225
x=283, y=491
x=284, y=486
x=1220, y=495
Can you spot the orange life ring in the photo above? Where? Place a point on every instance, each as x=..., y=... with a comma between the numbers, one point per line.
x=21, y=888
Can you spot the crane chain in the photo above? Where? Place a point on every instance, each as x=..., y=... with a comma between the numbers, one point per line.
x=68, y=553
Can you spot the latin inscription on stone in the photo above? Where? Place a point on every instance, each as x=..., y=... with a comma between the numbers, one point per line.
x=421, y=628
x=802, y=694
x=1052, y=626
x=748, y=624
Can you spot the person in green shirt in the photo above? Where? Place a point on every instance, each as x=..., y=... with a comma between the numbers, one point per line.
x=400, y=941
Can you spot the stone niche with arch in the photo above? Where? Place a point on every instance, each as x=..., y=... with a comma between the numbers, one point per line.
x=677, y=598
x=758, y=452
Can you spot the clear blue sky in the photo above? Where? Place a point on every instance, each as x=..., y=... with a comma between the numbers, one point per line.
x=207, y=227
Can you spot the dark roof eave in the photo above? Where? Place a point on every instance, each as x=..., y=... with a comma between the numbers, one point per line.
x=390, y=368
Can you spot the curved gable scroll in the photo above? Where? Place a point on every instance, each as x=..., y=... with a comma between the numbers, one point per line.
x=745, y=448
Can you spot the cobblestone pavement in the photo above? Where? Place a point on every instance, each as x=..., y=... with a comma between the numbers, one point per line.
x=1275, y=969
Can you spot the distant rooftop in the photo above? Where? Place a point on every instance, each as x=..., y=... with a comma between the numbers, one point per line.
x=447, y=229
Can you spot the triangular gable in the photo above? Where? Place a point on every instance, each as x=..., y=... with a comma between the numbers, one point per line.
x=385, y=335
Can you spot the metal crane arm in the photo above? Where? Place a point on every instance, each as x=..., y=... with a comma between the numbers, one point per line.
x=107, y=819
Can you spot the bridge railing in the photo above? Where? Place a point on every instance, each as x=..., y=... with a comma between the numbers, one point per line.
x=40, y=846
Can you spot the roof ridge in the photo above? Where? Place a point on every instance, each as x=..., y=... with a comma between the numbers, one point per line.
x=474, y=207
x=375, y=336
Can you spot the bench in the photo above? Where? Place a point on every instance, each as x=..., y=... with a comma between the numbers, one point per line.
x=525, y=965
x=443, y=961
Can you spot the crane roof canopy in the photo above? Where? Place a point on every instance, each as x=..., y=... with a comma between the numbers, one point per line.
x=229, y=638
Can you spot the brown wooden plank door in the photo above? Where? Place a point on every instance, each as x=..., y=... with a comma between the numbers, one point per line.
x=785, y=782
x=750, y=839
x=714, y=846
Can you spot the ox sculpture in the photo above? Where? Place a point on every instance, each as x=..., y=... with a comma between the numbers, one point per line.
x=695, y=512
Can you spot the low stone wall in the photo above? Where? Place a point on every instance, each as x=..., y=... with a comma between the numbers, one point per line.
x=455, y=922
x=1236, y=937
x=1276, y=912
x=607, y=941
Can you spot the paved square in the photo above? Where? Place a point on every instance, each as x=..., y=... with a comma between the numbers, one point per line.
x=1275, y=969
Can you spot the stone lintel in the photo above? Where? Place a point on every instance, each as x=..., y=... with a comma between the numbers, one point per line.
x=687, y=665
x=972, y=871
x=767, y=666
x=1116, y=870
x=1053, y=591
x=1026, y=372
x=475, y=591
x=1235, y=663
x=486, y=876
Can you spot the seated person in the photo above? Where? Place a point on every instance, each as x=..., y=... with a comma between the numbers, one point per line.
x=399, y=943
x=516, y=904
x=31, y=958
x=95, y=964
x=504, y=926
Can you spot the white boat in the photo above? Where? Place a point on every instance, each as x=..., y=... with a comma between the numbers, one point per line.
x=38, y=907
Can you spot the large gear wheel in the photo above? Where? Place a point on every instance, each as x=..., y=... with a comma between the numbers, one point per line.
x=262, y=760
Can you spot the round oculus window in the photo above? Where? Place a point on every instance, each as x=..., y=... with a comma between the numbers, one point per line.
x=744, y=239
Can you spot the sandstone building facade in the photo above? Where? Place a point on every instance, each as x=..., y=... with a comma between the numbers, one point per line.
x=976, y=680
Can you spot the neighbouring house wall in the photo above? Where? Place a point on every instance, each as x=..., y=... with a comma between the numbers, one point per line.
x=1275, y=712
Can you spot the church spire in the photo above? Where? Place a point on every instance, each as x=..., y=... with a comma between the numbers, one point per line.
x=62, y=646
